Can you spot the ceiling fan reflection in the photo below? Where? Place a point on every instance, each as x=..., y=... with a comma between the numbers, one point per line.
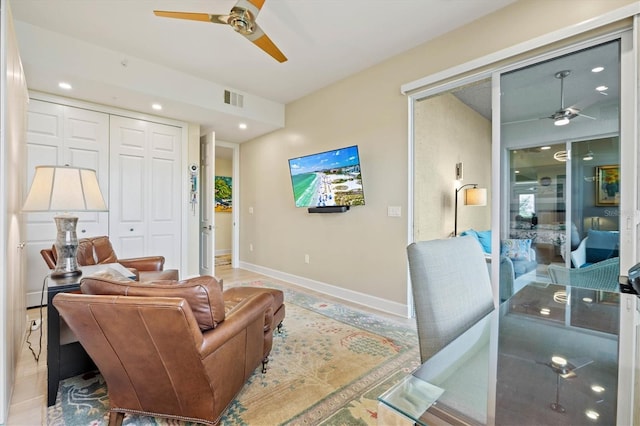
x=564, y=115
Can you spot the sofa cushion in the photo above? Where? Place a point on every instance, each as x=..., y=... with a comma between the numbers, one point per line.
x=601, y=245
x=516, y=249
x=203, y=294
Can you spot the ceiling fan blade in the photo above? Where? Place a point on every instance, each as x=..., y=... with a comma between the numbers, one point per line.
x=260, y=39
x=586, y=116
x=256, y=3
x=524, y=121
x=203, y=17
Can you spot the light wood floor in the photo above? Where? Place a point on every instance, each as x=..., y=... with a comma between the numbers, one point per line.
x=29, y=403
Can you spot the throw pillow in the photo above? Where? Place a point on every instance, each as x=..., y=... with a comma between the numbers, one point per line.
x=483, y=237
x=516, y=249
x=203, y=294
x=602, y=245
x=485, y=240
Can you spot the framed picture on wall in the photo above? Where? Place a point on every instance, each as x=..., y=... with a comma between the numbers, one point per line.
x=608, y=185
x=223, y=188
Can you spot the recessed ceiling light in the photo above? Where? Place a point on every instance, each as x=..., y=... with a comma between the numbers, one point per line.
x=601, y=88
x=157, y=107
x=597, y=69
x=242, y=126
x=588, y=156
x=597, y=388
x=517, y=171
x=544, y=148
x=65, y=86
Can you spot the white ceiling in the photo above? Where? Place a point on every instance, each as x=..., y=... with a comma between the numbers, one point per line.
x=324, y=40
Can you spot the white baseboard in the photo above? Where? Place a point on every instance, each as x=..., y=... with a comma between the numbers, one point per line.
x=222, y=251
x=369, y=301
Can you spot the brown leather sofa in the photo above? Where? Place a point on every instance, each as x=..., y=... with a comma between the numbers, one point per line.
x=98, y=250
x=169, y=349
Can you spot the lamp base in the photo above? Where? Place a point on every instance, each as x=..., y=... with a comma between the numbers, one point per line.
x=65, y=274
x=66, y=247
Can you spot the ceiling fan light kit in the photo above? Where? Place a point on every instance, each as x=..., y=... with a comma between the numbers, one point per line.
x=242, y=18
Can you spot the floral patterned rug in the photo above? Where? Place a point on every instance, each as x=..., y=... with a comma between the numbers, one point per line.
x=328, y=365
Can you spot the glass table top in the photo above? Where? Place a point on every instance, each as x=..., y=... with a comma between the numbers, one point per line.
x=548, y=355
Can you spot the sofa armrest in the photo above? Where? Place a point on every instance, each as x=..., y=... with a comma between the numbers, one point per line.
x=507, y=278
x=148, y=263
x=579, y=255
x=47, y=255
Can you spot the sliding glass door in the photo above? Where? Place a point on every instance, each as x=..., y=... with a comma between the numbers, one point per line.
x=559, y=127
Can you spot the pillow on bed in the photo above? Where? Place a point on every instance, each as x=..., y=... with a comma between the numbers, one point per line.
x=203, y=294
x=516, y=249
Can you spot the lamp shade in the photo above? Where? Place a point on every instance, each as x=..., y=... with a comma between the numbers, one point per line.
x=64, y=188
x=475, y=197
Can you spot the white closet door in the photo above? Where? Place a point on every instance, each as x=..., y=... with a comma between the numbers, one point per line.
x=86, y=144
x=58, y=135
x=145, y=214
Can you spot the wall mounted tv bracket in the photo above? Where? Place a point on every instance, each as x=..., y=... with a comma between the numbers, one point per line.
x=329, y=209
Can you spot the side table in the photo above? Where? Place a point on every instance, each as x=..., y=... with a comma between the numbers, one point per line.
x=65, y=355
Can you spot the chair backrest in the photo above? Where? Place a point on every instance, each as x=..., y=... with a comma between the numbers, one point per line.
x=91, y=251
x=451, y=289
x=599, y=276
x=147, y=349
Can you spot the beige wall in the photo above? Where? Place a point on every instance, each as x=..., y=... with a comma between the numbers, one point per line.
x=12, y=157
x=363, y=250
x=224, y=220
x=448, y=132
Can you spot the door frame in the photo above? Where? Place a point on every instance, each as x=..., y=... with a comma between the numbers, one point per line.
x=235, y=199
x=489, y=66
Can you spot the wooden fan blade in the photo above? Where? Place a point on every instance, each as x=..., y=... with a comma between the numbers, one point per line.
x=260, y=39
x=202, y=17
x=256, y=3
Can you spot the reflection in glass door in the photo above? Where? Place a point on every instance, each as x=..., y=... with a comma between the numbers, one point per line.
x=561, y=158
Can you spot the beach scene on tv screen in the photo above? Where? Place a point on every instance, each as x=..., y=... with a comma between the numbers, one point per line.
x=327, y=179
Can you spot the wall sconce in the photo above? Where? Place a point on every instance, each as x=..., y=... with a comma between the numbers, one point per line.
x=65, y=189
x=472, y=197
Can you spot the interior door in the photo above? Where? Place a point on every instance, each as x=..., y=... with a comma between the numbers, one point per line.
x=207, y=216
x=145, y=189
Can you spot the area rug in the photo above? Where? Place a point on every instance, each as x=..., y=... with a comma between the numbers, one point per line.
x=328, y=365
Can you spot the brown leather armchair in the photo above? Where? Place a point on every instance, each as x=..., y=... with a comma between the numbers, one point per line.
x=168, y=356
x=98, y=250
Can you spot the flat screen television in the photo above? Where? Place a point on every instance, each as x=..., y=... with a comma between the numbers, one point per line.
x=327, y=179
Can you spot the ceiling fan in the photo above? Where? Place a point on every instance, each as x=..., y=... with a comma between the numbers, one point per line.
x=242, y=18
x=563, y=115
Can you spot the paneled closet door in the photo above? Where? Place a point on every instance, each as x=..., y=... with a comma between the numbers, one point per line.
x=56, y=135
x=145, y=189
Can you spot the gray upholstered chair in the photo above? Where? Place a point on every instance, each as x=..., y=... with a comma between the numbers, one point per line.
x=599, y=276
x=451, y=289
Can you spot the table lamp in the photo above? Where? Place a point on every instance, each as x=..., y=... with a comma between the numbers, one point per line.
x=65, y=189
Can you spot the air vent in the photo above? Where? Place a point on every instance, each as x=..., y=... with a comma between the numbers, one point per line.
x=232, y=98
